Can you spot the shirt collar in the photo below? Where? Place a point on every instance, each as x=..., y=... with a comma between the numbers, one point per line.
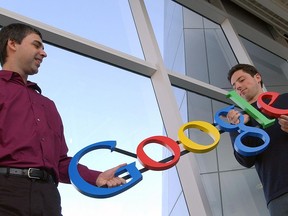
x=10, y=75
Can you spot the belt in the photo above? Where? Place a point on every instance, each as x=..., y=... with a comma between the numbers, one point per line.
x=31, y=173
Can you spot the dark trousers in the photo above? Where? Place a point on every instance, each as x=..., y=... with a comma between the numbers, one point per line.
x=279, y=206
x=20, y=196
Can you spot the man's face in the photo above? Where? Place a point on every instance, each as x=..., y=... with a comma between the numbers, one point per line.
x=247, y=86
x=29, y=54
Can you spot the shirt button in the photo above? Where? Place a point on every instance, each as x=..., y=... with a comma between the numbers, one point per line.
x=38, y=120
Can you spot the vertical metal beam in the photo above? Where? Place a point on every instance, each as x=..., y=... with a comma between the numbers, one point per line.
x=235, y=43
x=187, y=168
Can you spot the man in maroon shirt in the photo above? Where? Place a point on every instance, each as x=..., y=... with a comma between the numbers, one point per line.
x=33, y=151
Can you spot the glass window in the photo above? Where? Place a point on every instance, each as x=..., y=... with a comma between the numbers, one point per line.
x=180, y=207
x=242, y=193
x=155, y=11
x=106, y=22
x=207, y=55
x=273, y=68
x=211, y=185
x=174, y=58
x=181, y=98
x=172, y=190
x=99, y=102
x=173, y=199
x=219, y=169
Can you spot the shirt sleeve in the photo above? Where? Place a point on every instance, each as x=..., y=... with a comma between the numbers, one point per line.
x=87, y=174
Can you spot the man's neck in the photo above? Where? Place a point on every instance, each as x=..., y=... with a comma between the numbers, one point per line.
x=254, y=99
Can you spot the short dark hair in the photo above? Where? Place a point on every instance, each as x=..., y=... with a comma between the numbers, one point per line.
x=16, y=32
x=246, y=68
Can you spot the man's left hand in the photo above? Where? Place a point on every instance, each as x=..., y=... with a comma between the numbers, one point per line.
x=108, y=178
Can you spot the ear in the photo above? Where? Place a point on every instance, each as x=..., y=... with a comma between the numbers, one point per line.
x=11, y=44
x=258, y=77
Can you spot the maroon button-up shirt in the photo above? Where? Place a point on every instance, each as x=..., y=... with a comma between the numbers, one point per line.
x=31, y=130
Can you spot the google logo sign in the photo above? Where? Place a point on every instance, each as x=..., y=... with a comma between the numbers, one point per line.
x=213, y=130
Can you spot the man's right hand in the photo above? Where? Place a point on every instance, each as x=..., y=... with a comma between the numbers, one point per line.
x=233, y=117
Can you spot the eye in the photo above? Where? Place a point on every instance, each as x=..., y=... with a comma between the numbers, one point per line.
x=37, y=45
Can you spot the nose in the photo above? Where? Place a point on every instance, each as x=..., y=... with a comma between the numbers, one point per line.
x=43, y=53
x=237, y=86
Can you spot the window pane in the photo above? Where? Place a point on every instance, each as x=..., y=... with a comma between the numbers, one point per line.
x=242, y=193
x=180, y=207
x=155, y=11
x=174, y=58
x=211, y=185
x=272, y=68
x=207, y=55
x=99, y=102
x=106, y=22
x=172, y=191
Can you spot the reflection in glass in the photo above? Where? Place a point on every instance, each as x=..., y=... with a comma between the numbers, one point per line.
x=273, y=69
x=174, y=58
x=242, y=193
x=207, y=55
x=207, y=52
